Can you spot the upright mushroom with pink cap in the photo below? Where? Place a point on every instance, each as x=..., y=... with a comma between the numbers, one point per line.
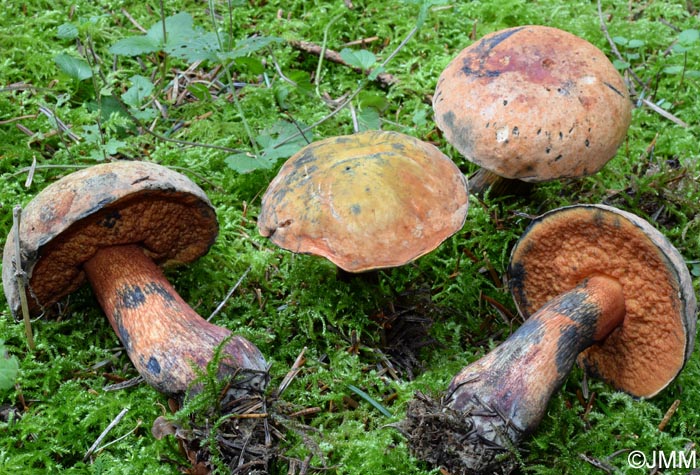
x=113, y=225
x=532, y=104
x=597, y=285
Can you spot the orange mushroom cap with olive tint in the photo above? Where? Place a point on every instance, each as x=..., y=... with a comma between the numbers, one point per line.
x=533, y=103
x=561, y=248
x=366, y=201
x=113, y=224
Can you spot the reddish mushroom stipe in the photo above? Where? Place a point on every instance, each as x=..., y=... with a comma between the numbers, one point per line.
x=114, y=223
x=559, y=250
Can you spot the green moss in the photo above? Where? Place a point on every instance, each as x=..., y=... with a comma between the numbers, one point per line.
x=290, y=302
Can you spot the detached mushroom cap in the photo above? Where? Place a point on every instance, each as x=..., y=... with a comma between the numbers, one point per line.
x=365, y=201
x=563, y=247
x=105, y=205
x=533, y=103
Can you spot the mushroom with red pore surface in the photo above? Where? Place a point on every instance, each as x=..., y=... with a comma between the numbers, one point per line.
x=600, y=286
x=112, y=224
x=366, y=201
x=531, y=104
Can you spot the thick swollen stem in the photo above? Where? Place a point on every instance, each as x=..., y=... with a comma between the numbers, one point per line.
x=510, y=387
x=162, y=335
x=494, y=402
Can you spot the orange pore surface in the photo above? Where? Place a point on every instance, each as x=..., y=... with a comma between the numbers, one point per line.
x=171, y=227
x=645, y=353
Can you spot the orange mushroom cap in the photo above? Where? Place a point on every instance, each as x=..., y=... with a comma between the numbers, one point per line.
x=563, y=247
x=533, y=103
x=370, y=200
x=124, y=202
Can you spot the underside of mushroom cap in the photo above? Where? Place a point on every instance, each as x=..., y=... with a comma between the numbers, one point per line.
x=533, y=103
x=124, y=202
x=365, y=201
x=563, y=247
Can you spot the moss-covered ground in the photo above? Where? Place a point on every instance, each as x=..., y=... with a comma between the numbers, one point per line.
x=215, y=110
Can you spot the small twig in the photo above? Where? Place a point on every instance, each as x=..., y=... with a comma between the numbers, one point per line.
x=292, y=373
x=21, y=277
x=229, y=294
x=30, y=173
x=354, y=93
x=613, y=47
x=133, y=21
x=118, y=439
x=124, y=384
x=663, y=113
x=306, y=46
x=16, y=119
x=669, y=413
x=104, y=433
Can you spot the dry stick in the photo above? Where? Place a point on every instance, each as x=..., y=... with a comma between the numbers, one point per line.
x=333, y=56
x=104, y=433
x=669, y=413
x=21, y=277
x=229, y=294
x=354, y=93
x=617, y=53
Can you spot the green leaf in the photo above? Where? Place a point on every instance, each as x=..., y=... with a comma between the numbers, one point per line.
x=67, y=31
x=250, y=45
x=673, y=70
x=620, y=40
x=276, y=140
x=362, y=59
x=635, y=44
x=76, y=68
x=135, y=46
x=370, y=400
x=140, y=90
x=197, y=47
x=9, y=368
x=375, y=72
x=687, y=37
x=368, y=119
x=246, y=162
x=620, y=65
x=178, y=29
x=200, y=91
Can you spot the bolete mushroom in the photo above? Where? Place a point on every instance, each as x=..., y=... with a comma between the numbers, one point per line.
x=366, y=201
x=111, y=224
x=531, y=104
x=600, y=286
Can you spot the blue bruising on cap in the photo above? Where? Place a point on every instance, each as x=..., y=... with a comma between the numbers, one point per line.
x=153, y=366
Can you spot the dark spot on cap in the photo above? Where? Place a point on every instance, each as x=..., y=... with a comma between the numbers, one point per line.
x=516, y=131
x=110, y=219
x=355, y=209
x=505, y=102
x=153, y=366
x=588, y=143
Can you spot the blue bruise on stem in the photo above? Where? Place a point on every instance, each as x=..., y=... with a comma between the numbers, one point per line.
x=130, y=297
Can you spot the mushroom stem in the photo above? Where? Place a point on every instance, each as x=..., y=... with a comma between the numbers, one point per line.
x=163, y=336
x=482, y=180
x=504, y=395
